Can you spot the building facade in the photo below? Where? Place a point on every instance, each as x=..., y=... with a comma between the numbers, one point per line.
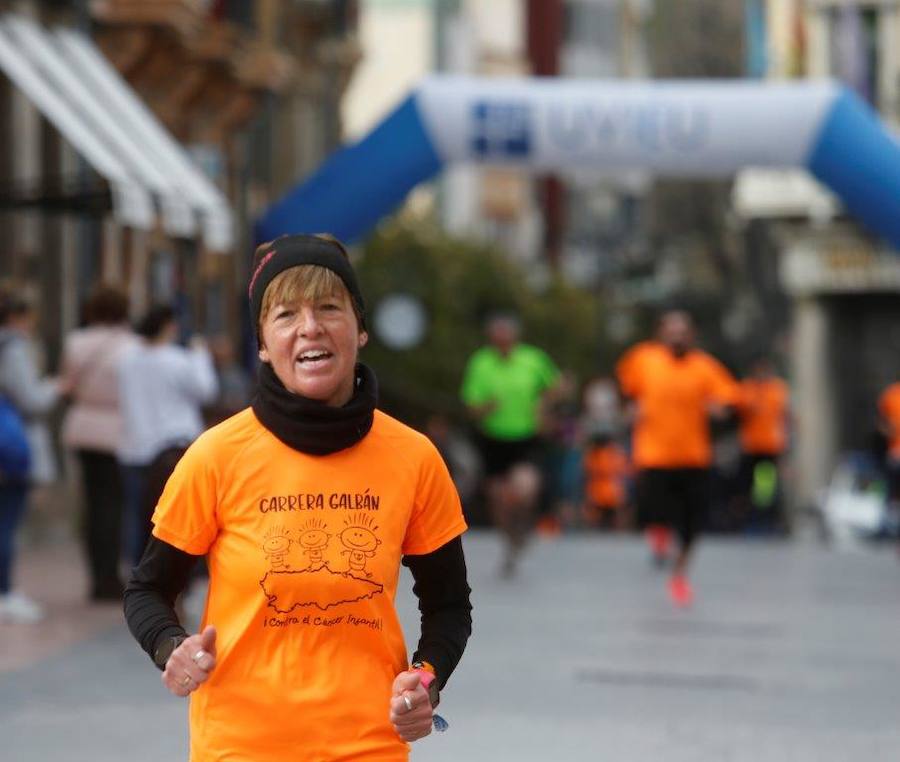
x=843, y=285
x=221, y=100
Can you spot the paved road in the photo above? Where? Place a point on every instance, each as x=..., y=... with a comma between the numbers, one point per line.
x=790, y=654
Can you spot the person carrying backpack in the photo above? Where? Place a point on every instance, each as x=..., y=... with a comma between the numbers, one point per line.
x=26, y=394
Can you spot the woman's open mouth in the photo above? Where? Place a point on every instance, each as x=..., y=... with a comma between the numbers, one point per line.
x=313, y=358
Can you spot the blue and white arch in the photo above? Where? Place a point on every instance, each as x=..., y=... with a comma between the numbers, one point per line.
x=669, y=128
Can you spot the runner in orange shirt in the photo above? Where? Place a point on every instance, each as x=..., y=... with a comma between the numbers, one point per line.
x=305, y=505
x=605, y=467
x=763, y=413
x=674, y=389
x=889, y=411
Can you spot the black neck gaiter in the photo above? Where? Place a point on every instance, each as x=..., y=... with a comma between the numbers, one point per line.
x=311, y=426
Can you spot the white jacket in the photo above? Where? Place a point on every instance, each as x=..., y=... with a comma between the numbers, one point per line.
x=32, y=396
x=163, y=389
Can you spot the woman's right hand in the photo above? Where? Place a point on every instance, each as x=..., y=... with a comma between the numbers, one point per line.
x=191, y=664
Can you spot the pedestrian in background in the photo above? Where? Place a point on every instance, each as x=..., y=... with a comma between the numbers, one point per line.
x=606, y=470
x=889, y=425
x=763, y=412
x=505, y=385
x=305, y=506
x=562, y=432
x=33, y=397
x=163, y=387
x=601, y=404
x=674, y=391
x=92, y=429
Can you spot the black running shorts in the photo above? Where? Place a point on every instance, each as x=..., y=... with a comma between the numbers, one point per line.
x=674, y=497
x=500, y=455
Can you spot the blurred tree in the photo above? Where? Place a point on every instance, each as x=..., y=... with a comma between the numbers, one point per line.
x=459, y=282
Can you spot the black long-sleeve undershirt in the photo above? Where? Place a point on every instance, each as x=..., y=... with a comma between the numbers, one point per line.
x=155, y=584
x=440, y=584
x=443, y=591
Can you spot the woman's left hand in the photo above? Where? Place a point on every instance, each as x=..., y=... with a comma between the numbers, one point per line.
x=411, y=711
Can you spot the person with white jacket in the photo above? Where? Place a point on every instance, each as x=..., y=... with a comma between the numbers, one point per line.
x=163, y=388
x=33, y=398
x=92, y=429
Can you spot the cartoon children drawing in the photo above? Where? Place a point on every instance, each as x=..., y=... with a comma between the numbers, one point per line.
x=314, y=540
x=276, y=546
x=360, y=542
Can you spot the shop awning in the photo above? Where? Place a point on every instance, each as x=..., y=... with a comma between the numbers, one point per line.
x=201, y=193
x=132, y=202
x=80, y=92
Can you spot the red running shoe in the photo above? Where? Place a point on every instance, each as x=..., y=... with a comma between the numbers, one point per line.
x=549, y=526
x=680, y=591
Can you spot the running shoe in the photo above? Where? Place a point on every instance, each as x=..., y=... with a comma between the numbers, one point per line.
x=18, y=608
x=680, y=591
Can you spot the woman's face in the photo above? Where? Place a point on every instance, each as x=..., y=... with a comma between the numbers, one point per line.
x=312, y=347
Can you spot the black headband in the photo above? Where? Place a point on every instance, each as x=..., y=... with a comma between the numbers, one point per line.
x=293, y=250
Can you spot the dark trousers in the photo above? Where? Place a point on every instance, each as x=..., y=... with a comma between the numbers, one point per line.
x=893, y=479
x=149, y=481
x=134, y=536
x=102, y=531
x=13, y=500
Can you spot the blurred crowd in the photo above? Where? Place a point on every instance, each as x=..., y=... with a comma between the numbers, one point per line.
x=639, y=449
x=670, y=432
x=133, y=397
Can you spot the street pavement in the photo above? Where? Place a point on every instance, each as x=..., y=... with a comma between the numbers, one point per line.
x=789, y=654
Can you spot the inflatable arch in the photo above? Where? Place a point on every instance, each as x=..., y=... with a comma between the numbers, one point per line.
x=669, y=128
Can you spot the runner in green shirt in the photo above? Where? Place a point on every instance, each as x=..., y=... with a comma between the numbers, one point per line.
x=504, y=387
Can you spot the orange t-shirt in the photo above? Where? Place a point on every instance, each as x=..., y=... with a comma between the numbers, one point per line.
x=889, y=407
x=304, y=557
x=763, y=407
x=605, y=468
x=671, y=428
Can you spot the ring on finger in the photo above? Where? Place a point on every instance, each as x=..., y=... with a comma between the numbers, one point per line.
x=409, y=704
x=197, y=656
x=186, y=681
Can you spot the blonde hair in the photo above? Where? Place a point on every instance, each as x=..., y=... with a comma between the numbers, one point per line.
x=302, y=283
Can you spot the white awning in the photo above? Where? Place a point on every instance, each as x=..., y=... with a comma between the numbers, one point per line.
x=132, y=203
x=149, y=133
x=81, y=93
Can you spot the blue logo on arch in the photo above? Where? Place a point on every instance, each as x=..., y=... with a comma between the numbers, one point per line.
x=501, y=130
